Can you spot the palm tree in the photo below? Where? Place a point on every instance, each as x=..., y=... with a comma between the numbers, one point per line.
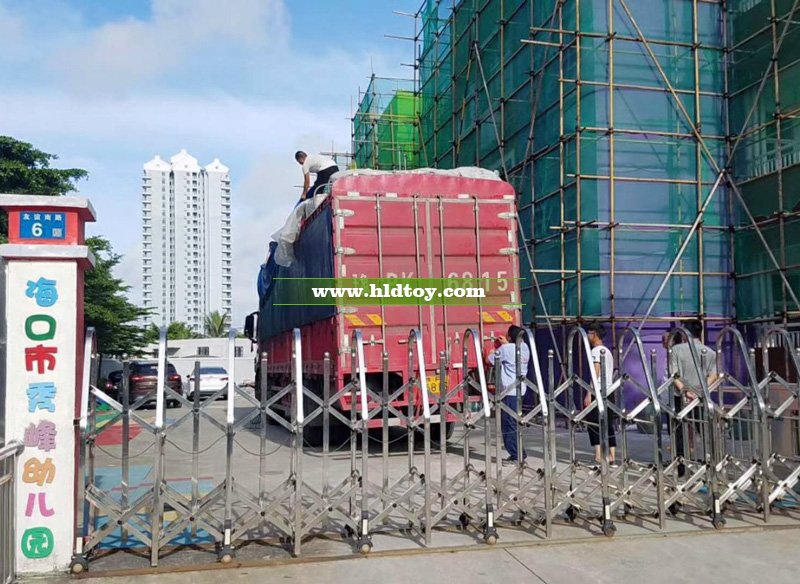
x=216, y=324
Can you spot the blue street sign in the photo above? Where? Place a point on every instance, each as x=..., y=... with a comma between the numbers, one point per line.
x=42, y=226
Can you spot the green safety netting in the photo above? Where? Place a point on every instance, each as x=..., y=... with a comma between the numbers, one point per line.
x=609, y=172
x=386, y=126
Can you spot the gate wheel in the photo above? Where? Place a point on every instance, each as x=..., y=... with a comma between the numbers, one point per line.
x=571, y=513
x=609, y=529
x=79, y=564
x=364, y=546
x=490, y=537
x=226, y=555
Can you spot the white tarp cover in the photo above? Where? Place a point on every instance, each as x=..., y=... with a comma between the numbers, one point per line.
x=287, y=235
x=461, y=172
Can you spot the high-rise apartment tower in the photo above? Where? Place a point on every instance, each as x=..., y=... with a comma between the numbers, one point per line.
x=186, y=235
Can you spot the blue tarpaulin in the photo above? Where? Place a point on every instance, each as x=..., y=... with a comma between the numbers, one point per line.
x=266, y=275
x=313, y=252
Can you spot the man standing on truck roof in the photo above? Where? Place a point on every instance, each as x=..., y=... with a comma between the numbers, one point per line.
x=323, y=166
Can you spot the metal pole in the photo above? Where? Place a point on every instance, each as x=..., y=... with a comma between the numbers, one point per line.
x=518, y=409
x=658, y=454
x=78, y=563
x=415, y=342
x=157, y=516
x=8, y=508
x=498, y=414
x=226, y=553
x=126, y=434
x=549, y=448
x=411, y=410
x=353, y=429
x=196, y=445
x=385, y=426
x=443, y=430
x=602, y=419
x=299, y=419
x=365, y=540
x=262, y=466
x=326, y=423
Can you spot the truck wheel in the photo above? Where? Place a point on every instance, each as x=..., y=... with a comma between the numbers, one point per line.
x=450, y=429
x=257, y=393
x=312, y=436
x=270, y=420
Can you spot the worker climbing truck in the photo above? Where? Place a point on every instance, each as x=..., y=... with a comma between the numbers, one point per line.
x=412, y=224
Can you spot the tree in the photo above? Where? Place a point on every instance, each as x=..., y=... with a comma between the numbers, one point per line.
x=216, y=324
x=106, y=307
x=176, y=331
x=26, y=170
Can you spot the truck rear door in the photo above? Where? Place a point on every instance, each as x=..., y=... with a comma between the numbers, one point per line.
x=425, y=237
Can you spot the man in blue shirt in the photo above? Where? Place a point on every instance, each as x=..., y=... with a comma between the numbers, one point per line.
x=506, y=353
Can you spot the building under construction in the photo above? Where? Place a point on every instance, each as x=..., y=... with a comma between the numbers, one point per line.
x=654, y=146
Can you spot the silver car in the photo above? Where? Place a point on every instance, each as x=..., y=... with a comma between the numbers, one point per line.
x=212, y=379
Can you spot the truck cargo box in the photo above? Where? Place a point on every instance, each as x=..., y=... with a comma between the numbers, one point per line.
x=413, y=224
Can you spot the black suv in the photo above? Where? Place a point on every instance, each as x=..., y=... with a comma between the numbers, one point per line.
x=143, y=381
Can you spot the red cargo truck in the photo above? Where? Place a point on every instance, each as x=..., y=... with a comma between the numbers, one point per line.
x=441, y=224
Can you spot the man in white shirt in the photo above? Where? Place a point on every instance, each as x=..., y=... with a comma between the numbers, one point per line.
x=601, y=359
x=323, y=166
x=507, y=355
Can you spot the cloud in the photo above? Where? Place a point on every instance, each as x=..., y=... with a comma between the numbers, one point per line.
x=121, y=55
x=224, y=80
x=263, y=199
x=129, y=270
x=12, y=31
x=229, y=123
x=255, y=139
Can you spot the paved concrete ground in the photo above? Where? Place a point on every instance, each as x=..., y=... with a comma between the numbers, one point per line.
x=731, y=557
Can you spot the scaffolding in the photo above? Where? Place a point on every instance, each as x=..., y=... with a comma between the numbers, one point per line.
x=653, y=145
x=765, y=120
x=386, y=125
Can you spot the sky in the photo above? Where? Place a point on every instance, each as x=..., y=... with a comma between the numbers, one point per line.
x=108, y=84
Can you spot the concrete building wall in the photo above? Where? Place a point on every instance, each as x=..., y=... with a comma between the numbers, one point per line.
x=210, y=353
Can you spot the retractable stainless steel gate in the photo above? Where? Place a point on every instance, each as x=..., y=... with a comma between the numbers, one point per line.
x=8, y=537
x=581, y=488
x=468, y=493
x=403, y=499
x=524, y=493
x=691, y=482
x=780, y=428
x=263, y=509
x=340, y=504
x=203, y=472
x=742, y=428
x=637, y=483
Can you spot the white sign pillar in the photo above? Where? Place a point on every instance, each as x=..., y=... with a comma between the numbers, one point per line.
x=43, y=264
